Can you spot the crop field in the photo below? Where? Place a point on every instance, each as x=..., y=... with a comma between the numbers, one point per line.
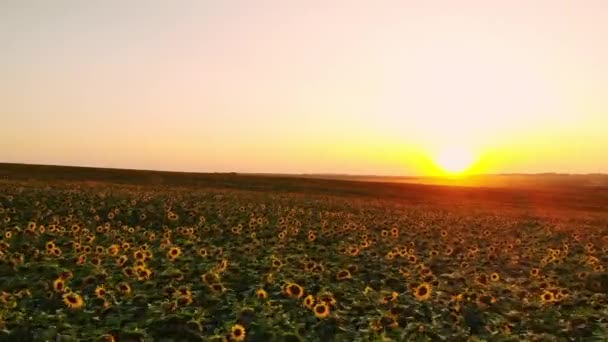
x=138, y=257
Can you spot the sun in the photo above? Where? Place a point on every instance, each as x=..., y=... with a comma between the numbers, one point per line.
x=454, y=160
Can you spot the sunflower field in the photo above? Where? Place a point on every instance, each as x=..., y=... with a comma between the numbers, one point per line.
x=102, y=262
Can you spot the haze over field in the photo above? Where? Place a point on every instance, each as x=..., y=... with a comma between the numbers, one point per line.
x=358, y=87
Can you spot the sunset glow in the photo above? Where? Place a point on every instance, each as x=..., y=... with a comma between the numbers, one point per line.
x=455, y=160
x=358, y=87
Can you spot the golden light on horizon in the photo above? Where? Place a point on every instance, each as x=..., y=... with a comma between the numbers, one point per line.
x=455, y=160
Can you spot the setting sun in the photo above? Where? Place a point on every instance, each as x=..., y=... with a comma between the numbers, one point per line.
x=455, y=160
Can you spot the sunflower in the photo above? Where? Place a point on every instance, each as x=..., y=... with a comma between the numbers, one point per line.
x=309, y=301
x=222, y=266
x=217, y=288
x=390, y=298
x=174, y=253
x=494, y=277
x=328, y=299
x=124, y=288
x=423, y=291
x=172, y=216
x=184, y=300
x=73, y=300
x=122, y=261
x=50, y=245
x=343, y=275
x=547, y=297
x=5, y=297
x=395, y=232
x=139, y=255
x=113, y=250
x=237, y=332
x=534, y=272
x=425, y=271
x=100, y=291
x=59, y=285
x=203, y=253
x=321, y=310
x=139, y=264
x=276, y=263
x=96, y=261
x=261, y=293
x=143, y=273
x=81, y=259
x=128, y=271
x=294, y=290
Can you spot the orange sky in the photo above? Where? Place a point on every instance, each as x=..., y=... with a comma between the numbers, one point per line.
x=360, y=87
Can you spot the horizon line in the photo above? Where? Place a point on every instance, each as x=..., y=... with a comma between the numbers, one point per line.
x=546, y=173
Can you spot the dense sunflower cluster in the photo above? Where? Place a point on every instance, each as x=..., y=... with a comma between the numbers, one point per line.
x=104, y=262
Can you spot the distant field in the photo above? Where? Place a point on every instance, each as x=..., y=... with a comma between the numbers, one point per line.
x=100, y=254
x=526, y=192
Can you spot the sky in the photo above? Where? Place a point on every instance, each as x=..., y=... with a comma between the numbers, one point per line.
x=358, y=87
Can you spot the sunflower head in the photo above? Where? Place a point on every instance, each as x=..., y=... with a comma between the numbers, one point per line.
x=343, y=275
x=139, y=255
x=276, y=263
x=100, y=291
x=309, y=301
x=534, y=272
x=294, y=290
x=547, y=297
x=184, y=300
x=73, y=300
x=123, y=288
x=217, y=288
x=59, y=285
x=237, y=332
x=174, y=253
x=423, y=291
x=261, y=293
x=321, y=310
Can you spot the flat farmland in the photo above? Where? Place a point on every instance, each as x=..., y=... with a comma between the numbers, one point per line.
x=100, y=255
